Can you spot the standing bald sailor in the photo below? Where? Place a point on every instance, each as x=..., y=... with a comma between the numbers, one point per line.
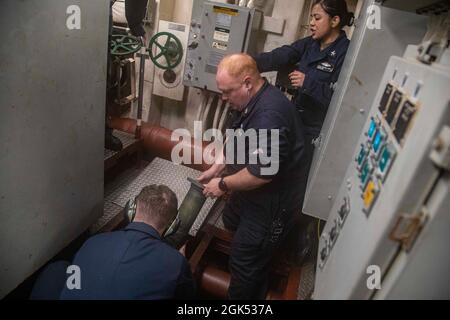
x=265, y=195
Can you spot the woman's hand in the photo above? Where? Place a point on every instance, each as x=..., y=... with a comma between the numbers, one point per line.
x=297, y=78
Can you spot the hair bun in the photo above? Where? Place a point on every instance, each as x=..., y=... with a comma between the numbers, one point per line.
x=350, y=19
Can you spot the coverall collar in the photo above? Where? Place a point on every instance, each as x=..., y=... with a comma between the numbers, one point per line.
x=328, y=51
x=145, y=228
x=249, y=107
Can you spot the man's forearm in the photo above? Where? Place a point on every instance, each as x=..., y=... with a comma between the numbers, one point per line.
x=244, y=181
x=218, y=168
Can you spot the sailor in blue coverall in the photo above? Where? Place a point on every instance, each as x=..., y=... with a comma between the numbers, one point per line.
x=318, y=60
x=263, y=167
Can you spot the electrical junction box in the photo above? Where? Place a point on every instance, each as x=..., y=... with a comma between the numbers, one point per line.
x=169, y=83
x=392, y=206
x=350, y=106
x=217, y=30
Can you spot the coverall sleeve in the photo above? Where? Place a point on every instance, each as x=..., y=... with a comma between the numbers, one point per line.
x=282, y=57
x=273, y=146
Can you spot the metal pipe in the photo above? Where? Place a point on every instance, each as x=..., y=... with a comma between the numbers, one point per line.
x=206, y=113
x=224, y=117
x=215, y=282
x=157, y=140
x=141, y=93
x=202, y=106
x=217, y=114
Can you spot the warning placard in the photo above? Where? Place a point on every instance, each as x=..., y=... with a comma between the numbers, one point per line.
x=220, y=46
x=221, y=34
x=224, y=10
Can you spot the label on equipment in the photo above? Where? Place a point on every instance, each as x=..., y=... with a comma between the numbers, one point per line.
x=177, y=27
x=220, y=46
x=223, y=20
x=385, y=98
x=221, y=34
x=396, y=101
x=404, y=120
x=224, y=10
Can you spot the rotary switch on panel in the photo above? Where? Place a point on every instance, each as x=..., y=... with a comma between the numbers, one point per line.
x=324, y=251
x=344, y=211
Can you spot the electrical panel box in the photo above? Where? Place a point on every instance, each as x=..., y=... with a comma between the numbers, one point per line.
x=216, y=30
x=357, y=85
x=386, y=200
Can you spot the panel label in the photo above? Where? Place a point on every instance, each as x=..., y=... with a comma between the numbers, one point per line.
x=177, y=27
x=224, y=10
x=404, y=120
x=394, y=106
x=385, y=98
x=221, y=34
x=220, y=46
x=223, y=20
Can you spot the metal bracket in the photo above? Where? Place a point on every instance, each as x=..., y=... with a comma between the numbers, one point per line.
x=130, y=67
x=317, y=142
x=408, y=227
x=440, y=153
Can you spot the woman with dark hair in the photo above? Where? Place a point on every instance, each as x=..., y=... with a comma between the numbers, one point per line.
x=318, y=61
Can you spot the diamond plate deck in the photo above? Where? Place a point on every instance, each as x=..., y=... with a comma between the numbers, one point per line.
x=126, y=139
x=110, y=211
x=306, y=286
x=160, y=171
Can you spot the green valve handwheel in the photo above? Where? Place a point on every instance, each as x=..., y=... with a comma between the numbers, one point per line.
x=165, y=50
x=121, y=45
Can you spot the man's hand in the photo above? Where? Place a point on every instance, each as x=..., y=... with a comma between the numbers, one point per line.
x=212, y=189
x=211, y=173
x=297, y=78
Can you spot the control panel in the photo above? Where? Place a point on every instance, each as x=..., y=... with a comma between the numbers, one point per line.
x=388, y=178
x=216, y=30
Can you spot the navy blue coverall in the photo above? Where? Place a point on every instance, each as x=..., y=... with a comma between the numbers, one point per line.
x=133, y=263
x=261, y=217
x=321, y=69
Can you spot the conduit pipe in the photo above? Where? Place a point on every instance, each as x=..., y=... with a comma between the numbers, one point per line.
x=224, y=116
x=217, y=114
x=157, y=141
x=215, y=282
x=207, y=110
x=202, y=106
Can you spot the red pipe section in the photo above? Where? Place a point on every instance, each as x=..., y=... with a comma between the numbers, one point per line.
x=215, y=282
x=157, y=141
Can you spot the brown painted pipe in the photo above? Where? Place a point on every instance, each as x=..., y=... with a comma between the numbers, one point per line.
x=215, y=282
x=157, y=140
